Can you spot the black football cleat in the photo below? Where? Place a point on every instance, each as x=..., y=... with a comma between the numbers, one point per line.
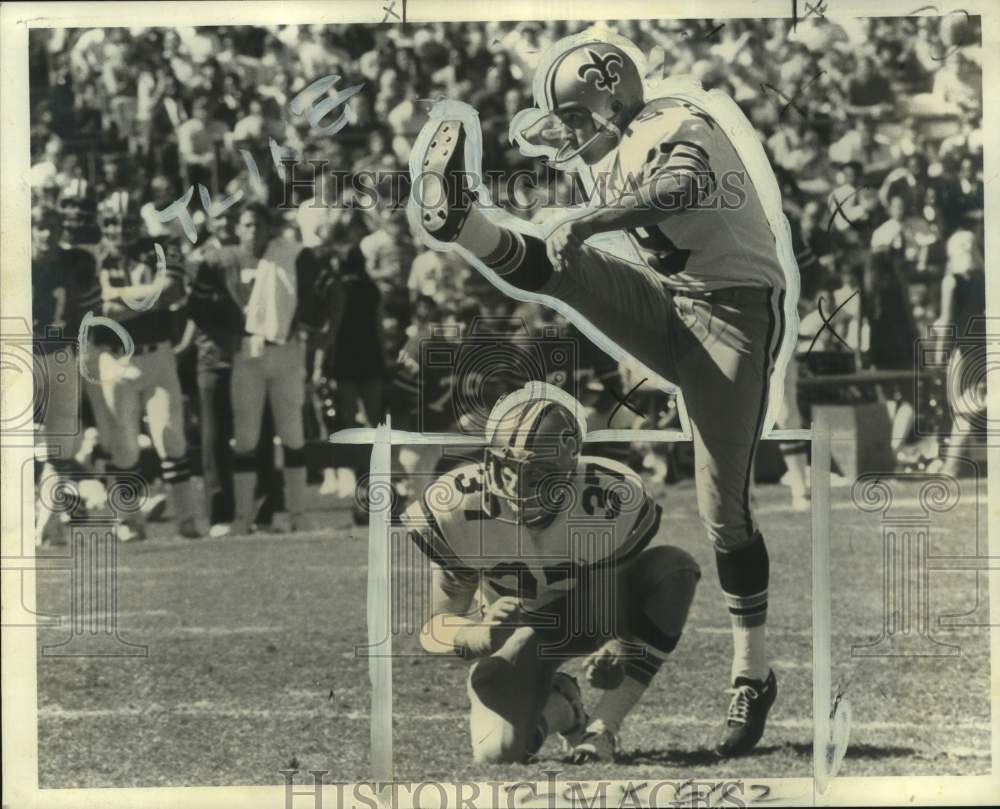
x=747, y=716
x=444, y=193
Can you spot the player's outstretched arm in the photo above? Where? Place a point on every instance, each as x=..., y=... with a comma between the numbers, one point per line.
x=663, y=195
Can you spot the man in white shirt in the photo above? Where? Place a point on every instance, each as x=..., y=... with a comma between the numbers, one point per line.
x=196, y=142
x=44, y=171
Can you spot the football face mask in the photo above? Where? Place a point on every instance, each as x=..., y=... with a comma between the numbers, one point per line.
x=527, y=483
x=533, y=446
x=588, y=93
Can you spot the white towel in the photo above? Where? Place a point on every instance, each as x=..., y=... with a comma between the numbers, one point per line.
x=275, y=294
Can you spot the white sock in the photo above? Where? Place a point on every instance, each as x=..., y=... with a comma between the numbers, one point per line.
x=796, y=463
x=615, y=705
x=479, y=235
x=750, y=652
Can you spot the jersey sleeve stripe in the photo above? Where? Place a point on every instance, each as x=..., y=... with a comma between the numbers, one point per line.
x=432, y=542
x=685, y=159
x=685, y=166
x=691, y=146
x=645, y=528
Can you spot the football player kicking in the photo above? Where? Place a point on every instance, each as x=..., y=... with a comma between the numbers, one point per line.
x=539, y=555
x=704, y=308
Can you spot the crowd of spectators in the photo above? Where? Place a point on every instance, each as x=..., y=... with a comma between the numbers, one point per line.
x=873, y=127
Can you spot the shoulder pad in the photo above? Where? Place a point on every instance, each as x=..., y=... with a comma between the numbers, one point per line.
x=621, y=490
x=440, y=504
x=454, y=491
x=606, y=469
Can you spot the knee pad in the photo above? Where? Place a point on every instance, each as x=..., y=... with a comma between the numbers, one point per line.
x=656, y=563
x=664, y=591
x=295, y=458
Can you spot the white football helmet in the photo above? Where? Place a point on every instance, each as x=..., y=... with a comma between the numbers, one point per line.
x=595, y=78
x=533, y=442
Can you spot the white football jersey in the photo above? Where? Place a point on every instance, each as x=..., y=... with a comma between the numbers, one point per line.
x=605, y=517
x=725, y=239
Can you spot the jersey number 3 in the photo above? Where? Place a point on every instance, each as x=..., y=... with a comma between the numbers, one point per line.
x=527, y=584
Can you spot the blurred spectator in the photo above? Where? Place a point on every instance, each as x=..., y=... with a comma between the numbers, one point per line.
x=963, y=196
x=844, y=331
x=162, y=193
x=868, y=91
x=886, y=298
x=197, y=141
x=909, y=181
x=963, y=302
x=355, y=360
x=893, y=235
x=852, y=206
x=967, y=141
x=880, y=157
x=389, y=252
x=958, y=85
x=45, y=170
x=116, y=175
x=248, y=124
x=235, y=102
x=438, y=276
x=864, y=146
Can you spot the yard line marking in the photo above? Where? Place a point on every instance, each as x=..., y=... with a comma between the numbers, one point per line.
x=208, y=709
x=213, y=631
x=104, y=616
x=844, y=506
x=791, y=664
x=157, y=630
x=771, y=631
x=195, y=570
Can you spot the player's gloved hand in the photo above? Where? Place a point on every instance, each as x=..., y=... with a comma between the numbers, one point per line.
x=484, y=638
x=564, y=243
x=605, y=668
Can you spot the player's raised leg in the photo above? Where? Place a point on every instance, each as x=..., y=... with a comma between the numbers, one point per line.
x=625, y=301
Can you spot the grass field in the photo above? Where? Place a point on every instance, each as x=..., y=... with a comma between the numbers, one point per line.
x=251, y=667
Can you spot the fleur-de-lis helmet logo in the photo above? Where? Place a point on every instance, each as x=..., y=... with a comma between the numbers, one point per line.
x=601, y=65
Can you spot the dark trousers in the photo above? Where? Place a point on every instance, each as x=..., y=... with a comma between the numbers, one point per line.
x=216, y=410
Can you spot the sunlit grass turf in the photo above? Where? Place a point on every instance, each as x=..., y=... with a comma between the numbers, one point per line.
x=251, y=666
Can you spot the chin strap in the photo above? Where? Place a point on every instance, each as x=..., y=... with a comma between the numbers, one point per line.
x=605, y=127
